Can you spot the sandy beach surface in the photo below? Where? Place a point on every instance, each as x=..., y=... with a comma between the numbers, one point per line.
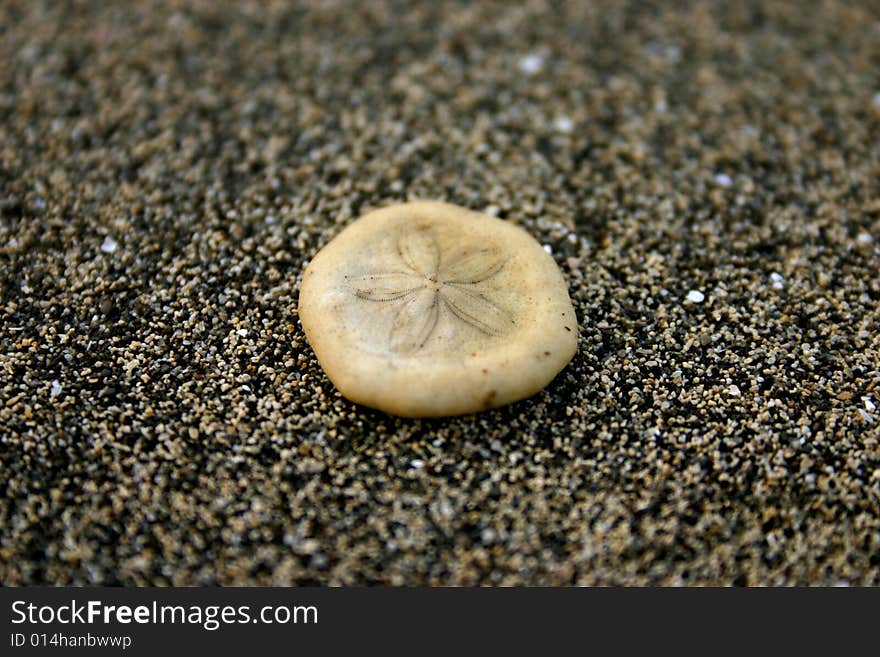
x=706, y=175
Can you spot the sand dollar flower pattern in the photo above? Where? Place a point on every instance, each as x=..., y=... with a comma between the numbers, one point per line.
x=432, y=283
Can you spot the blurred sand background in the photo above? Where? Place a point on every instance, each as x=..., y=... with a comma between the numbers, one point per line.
x=707, y=176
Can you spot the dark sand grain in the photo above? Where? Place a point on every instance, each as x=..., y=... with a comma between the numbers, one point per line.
x=168, y=169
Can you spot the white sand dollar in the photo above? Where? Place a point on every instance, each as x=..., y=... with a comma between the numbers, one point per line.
x=426, y=309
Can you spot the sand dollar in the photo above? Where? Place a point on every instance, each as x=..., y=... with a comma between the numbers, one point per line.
x=427, y=309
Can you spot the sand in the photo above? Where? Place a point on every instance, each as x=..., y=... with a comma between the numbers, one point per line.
x=707, y=178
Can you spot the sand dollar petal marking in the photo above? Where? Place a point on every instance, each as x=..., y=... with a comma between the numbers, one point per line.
x=419, y=251
x=386, y=287
x=415, y=321
x=476, y=310
x=472, y=266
